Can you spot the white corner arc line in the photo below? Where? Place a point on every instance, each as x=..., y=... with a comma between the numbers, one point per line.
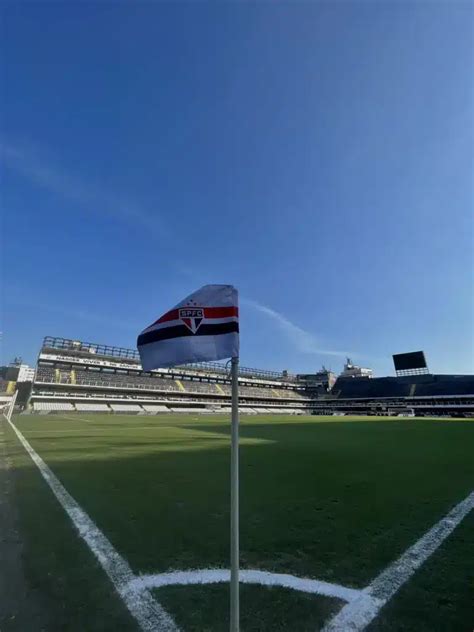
x=148, y=613
x=356, y=615
x=263, y=578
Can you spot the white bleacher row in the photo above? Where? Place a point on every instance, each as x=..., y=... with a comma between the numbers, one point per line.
x=47, y=406
x=105, y=395
x=93, y=408
x=155, y=408
x=126, y=408
x=64, y=406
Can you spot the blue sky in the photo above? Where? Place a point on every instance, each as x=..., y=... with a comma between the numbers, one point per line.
x=319, y=156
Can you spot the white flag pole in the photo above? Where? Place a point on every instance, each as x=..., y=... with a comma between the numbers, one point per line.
x=234, y=501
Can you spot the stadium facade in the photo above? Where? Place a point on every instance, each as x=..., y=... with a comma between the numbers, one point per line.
x=79, y=376
x=74, y=376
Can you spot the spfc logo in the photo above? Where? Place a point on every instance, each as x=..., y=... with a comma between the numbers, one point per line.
x=192, y=317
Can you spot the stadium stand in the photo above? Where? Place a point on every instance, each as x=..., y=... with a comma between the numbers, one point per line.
x=77, y=376
x=363, y=387
x=425, y=395
x=445, y=385
x=111, y=379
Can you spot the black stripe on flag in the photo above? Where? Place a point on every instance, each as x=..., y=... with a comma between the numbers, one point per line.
x=180, y=331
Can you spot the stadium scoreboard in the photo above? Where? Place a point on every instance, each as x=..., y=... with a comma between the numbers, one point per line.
x=413, y=363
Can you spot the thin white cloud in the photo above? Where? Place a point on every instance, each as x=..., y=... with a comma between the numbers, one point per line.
x=303, y=340
x=88, y=197
x=24, y=298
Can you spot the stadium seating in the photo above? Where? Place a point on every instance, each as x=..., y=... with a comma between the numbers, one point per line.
x=367, y=388
x=199, y=387
x=45, y=374
x=155, y=408
x=72, y=375
x=408, y=386
x=140, y=382
x=92, y=408
x=446, y=385
x=126, y=408
x=88, y=378
x=53, y=406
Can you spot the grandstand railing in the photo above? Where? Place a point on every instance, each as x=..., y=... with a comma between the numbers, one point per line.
x=67, y=344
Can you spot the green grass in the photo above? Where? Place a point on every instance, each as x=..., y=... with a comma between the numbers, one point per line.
x=336, y=499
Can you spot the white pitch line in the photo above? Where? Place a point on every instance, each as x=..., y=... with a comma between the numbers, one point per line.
x=357, y=615
x=98, y=430
x=30, y=432
x=263, y=578
x=113, y=426
x=77, y=418
x=149, y=614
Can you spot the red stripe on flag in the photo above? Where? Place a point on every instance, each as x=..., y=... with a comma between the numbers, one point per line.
x=172, y=315
x=209, y=312
x=221, y=312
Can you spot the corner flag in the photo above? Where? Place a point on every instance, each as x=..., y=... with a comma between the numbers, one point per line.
x=203, y=326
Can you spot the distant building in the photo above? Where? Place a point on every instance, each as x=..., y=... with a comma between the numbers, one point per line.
x=352, y=370
x=26, y=373
x=321, y=380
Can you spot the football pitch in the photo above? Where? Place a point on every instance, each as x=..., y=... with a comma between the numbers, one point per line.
x=345, y=523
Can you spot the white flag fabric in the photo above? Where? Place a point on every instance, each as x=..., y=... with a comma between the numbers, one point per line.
x=202, y=327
